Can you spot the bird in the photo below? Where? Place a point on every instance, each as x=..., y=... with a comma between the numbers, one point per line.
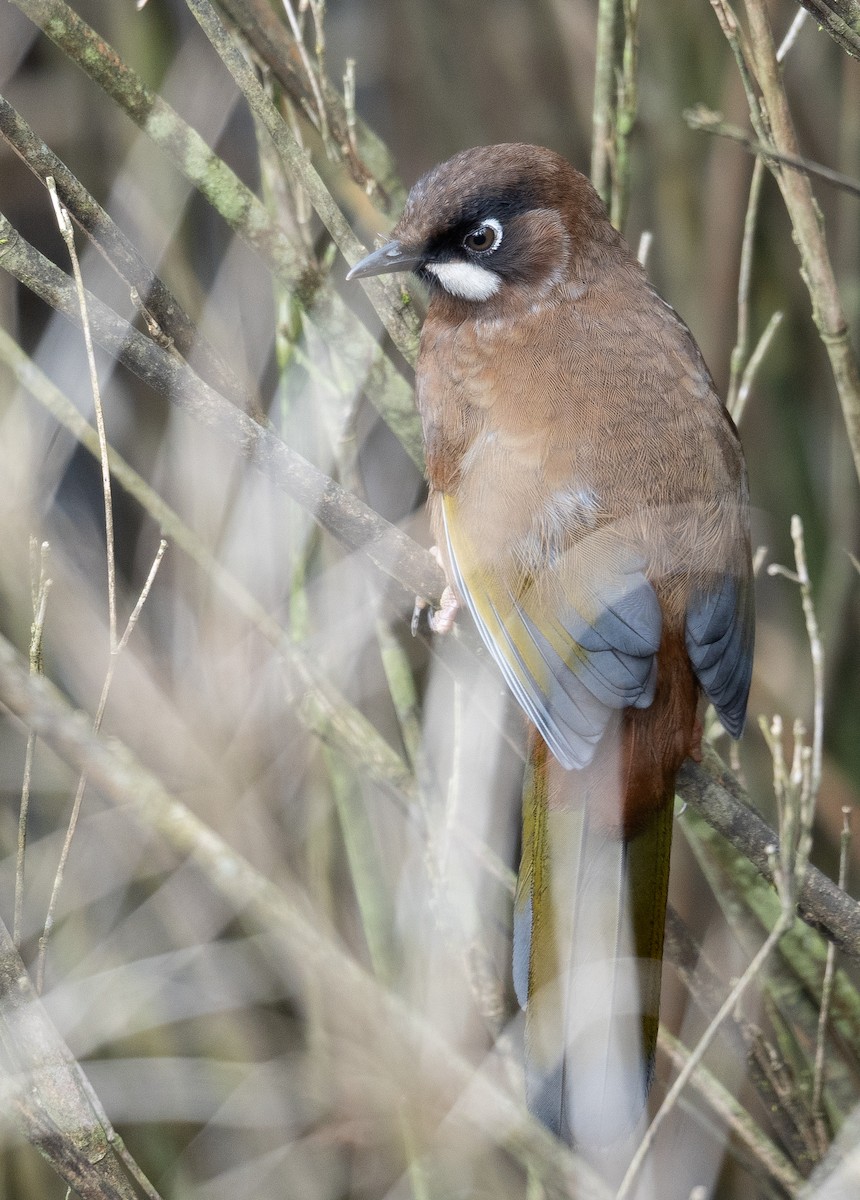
x=589, y=499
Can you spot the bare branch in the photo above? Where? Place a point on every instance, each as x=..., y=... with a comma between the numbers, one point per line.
x=49, y=1096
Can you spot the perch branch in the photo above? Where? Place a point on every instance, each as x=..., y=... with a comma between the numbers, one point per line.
x=716, y=794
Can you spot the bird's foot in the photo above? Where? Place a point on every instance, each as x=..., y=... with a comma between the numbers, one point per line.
x=440, y=620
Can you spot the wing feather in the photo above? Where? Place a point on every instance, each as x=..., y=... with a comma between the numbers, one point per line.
x=719, y=638
x=573, y=648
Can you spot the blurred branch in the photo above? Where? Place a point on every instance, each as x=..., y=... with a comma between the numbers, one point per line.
x=183, y=145
x=160, y=305
x=796, y=792
x=49, y=1097
x=240, y=208
x=615, y=103
x=344, y=516
x=626, y=104
x=40, y=586
x=411, y=1051
x=604, y=96
x=709, y=121
x=392, y=551
x=792, y=987
x=399, y=320
x=772, y=1163
x=771, y=118
x=324, y=709
x=841, y=19
x=365, y=154
x=716, y=795
x=789, y=1114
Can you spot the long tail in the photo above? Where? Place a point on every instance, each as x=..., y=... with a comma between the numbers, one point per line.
x=588, y=945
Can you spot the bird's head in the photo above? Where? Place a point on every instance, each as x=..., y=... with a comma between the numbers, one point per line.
x=495, y=224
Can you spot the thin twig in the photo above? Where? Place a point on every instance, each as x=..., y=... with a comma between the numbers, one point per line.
x=697, y=1054
x=708, y=121
x=68, y=234
x=141, y=600
x=827, y=996
x=791, y=36
x=310, y=73
x=816, y=649
x=739, y=1122
x=740, y=48
x=739, y=353
x=41, y=585
x=751, y=369
x=59, y=875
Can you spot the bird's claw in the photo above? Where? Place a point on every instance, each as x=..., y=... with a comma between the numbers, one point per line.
x=440, y=620
x=418, y=609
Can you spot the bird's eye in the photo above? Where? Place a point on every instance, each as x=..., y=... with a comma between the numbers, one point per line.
x=486, y=237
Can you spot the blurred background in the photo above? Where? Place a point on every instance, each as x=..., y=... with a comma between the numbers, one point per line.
x=200, y=1033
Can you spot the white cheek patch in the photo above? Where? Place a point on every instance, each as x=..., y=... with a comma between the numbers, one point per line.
x=466, y=280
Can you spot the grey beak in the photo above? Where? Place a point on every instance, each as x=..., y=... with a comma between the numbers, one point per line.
x=391, y=257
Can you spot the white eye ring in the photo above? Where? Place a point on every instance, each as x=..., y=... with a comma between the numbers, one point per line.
x=473, y=241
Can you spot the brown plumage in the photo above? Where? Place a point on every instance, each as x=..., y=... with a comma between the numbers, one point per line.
x=589, y=497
